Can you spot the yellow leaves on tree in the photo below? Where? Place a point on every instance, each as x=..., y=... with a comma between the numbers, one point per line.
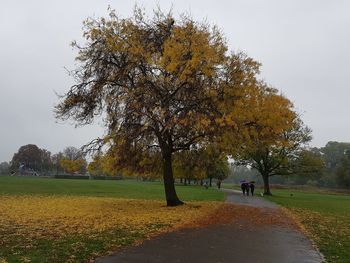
x=73, y=166
x=268, y=133
x=164, y=86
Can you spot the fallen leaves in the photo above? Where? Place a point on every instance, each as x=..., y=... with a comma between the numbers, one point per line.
x=31, y=218
x=252, y=216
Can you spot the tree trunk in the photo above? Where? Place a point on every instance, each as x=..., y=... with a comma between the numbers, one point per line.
x=266, y=184
x=210, y=179
x=181, y=180
x=170, y=193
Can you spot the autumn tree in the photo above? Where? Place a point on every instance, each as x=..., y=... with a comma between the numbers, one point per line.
x=96, y=166
x=72, y=160
x=73, y=166
x=187, y=166
x=215, y=164
x=160, y=84
x=32, y=157
x=273, y=137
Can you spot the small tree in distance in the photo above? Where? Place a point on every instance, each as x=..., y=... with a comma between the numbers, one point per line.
x=274, y=138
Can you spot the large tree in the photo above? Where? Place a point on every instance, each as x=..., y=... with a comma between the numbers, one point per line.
x=159, y=84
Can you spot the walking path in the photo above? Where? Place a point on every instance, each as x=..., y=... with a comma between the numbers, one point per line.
x=242, y=242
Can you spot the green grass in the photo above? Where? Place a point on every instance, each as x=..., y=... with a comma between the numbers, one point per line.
x=326, y=217
x=231, y=186
x=323, y=203
x=113, y=188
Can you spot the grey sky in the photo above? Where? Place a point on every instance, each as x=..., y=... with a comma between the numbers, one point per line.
x=302, y=44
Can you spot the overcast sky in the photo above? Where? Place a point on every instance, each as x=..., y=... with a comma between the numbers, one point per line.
x=303, y=45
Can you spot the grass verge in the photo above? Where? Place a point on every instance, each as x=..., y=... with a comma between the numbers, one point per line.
x=325, y=217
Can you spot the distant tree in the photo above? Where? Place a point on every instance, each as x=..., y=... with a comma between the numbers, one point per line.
x=55, y=160
x=73, y=166
x=333, y=153
x=159, y=83
x=72, y=153
x=307, y=166
x=274, y=136
x=343, y=171
x=46, y=161
x=73, y=160
x=95, y=167
x=198, y=164
x=242, y=172
x=31, y=156
x=4, y=168
x=215, y=163
x=187, y=166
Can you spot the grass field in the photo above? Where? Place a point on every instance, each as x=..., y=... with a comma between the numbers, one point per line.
x=109, y=188
x=62, y=220
x=326, y=218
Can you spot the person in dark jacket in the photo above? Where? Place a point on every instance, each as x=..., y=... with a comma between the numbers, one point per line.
x=252, y=187
x=247, y=188
x=218, y=183
x=243, y=187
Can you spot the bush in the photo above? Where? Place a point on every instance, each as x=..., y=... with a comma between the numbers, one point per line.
x=70, y=176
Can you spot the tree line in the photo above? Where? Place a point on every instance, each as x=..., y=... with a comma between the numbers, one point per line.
x=327, y=166
x=32, y=160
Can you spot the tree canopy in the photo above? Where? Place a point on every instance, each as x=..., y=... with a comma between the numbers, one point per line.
x=160, y=83
x=31, y=157
x=273, y=137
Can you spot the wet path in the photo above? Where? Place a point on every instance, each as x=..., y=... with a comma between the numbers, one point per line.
x=223, y=243
x=236, y=197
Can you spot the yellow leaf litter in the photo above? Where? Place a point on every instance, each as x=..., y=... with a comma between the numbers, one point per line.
x=36, y=217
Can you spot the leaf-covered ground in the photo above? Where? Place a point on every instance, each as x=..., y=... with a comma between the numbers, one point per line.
x=76, y=229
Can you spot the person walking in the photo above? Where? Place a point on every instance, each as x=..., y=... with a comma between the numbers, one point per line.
x=243, y=187
x=252, y=187
x=218, y=183
x=247, y=188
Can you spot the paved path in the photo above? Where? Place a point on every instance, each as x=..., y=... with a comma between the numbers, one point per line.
x=236, y=197
x=224, y=243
